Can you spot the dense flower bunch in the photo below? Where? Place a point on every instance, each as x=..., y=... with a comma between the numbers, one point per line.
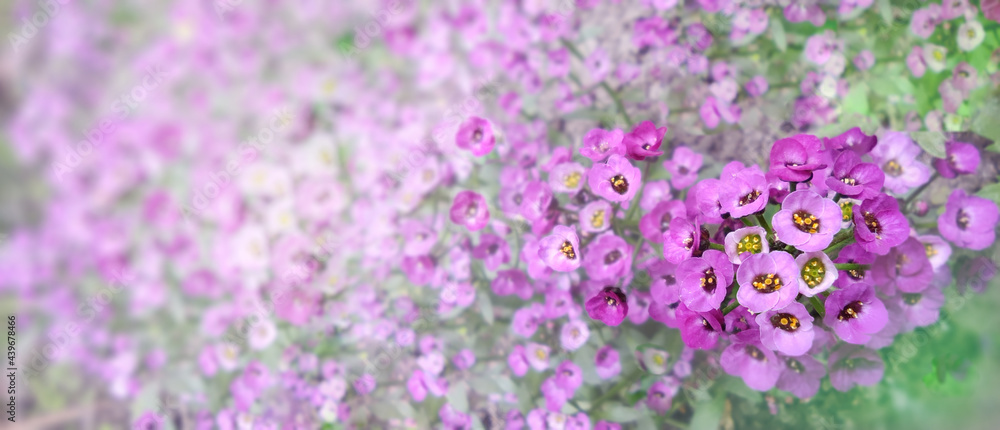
x=446, y=216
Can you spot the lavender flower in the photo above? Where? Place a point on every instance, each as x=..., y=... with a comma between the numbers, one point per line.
x=704, y=281
x=854, y=313
x=788, y=330
x=807, y=221
x=852, y=365
x=559, y=249
x=616, y=181
x=879, y=225
x=767, y=281
x=969, y=221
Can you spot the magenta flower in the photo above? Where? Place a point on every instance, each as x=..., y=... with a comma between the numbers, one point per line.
x=657, y=222
x=704, y=280
x=767, y=281
x=607, y=257
x=745, y=242
x=568, y=376
x=879, y=225
x=555, y=396
x=681, y=241
x=493, y=250
x=700, y=330
x=961, y=159
x=817, y=273
x=560, y=250
x=617, y=180
x=852, y=178
x=747, y=358
x=905, y=268
x=788, y=330
x=807, y=221
x=855, y=314
x=968, y=221
x=854, y=140
x=609, y=306
x=470, y=210
x=793, y=159
x=683, y=167
x=598, y=144
x=852, y=365
x=535, y=200
x=897, y=155
x=607, y=363
x=801, y=376
x=664, y=288
x=476, y=135
x=745, y=193
x=644, y=141
x=659, y=397
x=703, y=199
x=517, y=361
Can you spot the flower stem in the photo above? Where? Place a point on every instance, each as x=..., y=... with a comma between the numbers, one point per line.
x=729, y=308
x=717, y=246
x=629, y=380
x=919, y=190
x=818, y=306
x=763, y=223
x=618, y=103
x=852, y=266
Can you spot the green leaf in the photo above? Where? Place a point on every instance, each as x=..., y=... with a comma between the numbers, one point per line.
x=885, y=9
x=778, y=34
x=619, y=413
x=985, y=124
x=458, y=397
x=931, y=141
x=991, y=192
x=707, y=415
x=486, y=307
x=857, y=100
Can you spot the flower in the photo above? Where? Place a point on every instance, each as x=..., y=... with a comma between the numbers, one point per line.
x=704, y=280
x=905, y=268
x=923, y=22
x=517, y=361
x=574, y=334
x=879, y=225
x=609, y=306
x=744, y=193
x=559, y=250
x=915, y=61
x=681, y=240
x=801, y=376
x=464, y=359
x=793, y=159
x=568, y=376
x=470, y=210
x=657, y=222
x=936, y=57
x=864, y=60
x=747, y=358
x=598, y=144
x=817, y=273
x=606, y=362
x=970, y=35
x=853, y=139
x=699, y=330
x=852, y=365
x=537, y=355
x=476, y=135
x=807, y=221
x=788, y=330
x=607, y=257
x=767, y=281
x=968, y=221
x=683, y=167
x=659, y=397
x=855, y=314
x=595, y=217
x=746, y=241
x=617, y=180
x=493, y=250
x=644, y=141
x=652, y=360
x=852, y=178
x=960, y=159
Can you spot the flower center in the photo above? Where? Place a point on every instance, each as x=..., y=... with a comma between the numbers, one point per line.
x=471, y=211
x=665, y=221
x=785, y=321
x=872, y=223
x=572, y=180
x=851, y=311
x=938, y=55
x=849, y=181
x=612, y=257
x=767, y=283
x=755, y=353
x=806, y=222
x=611, y=301
x=750, y=243
x=597, y=220
x=749, y=198
x=688, y=242
x=619, y=184
x=645, y=146
x=971, y=34
x=962, y=219
x=892, y=168
x=540, y=353
x=813, y=272
x=795, y=365
x=911, y=299
x=847, y=209
x=477, y=135
x=659, y=359
x=709, y=281
x=931, y=250
x=567, y=250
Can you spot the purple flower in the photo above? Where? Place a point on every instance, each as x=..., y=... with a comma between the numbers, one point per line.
x=879, y=225
x=794, y=158
x=555, y=396
x=683, y=167
x=681, y=241
x=657, y=222
x=854, y=313
x=525, y=321
x=852, y=178
x=493, y=250
x=801, y=376
x=607, y=257
x=469, y=209
x=535, y=200
x=598, y=144
x=915, y=61
x=923, y=22
x=756, y=86
x=788, y=330
x=852, y=365
x=607, y=363
x=476, y=135
x=975, y=274
x=920, y=309
x=574, y=334
x=517, y=361
x=817, y=273
x=560, y=250
x=595, y=217
x=864, y=60
x=744, y=193
x=569, y=376
x=616, y=181
x=853, y=253
x=897, y=154
x=644, y=141
x=968, y=221
x=537, y=355
x=704, y=280
x=961, y=159
x=610, y=306
x=654, y=193
x=747, y=358
x=699, y=330
x=703, y=199
x=511, y=281
x=807, y=221
x=664, y=287
x=767, y=281
x=905, y=268
x=854, y=140
x=659, y=397
x=464, y=359
x=567, y=178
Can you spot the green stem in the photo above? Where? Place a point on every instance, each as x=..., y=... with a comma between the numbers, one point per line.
x=618, y=103
x=834, y=249
x=729, y=308
x=763, y=223
x=791, y=186
x=629, y=380
x=852, y=266
x=717, y=246
x=818, y=306
x=919, y=190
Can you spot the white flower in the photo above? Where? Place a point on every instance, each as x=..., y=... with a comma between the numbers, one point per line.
x=835, y=66
x=970, y=35
x=262, y=334
x=935, y=57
